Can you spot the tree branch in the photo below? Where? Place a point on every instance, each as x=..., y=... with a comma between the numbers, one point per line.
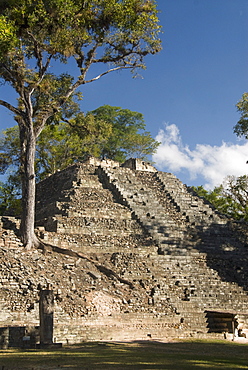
x=42, y=67
x=106, y=72
x=8, y=73
x=11, y=108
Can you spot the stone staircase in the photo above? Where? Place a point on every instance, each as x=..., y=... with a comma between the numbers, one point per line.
x=190, y=286
x=193, y=207
x=185, y=230
x=81, y=207
x=170, y=236
x=203, y=222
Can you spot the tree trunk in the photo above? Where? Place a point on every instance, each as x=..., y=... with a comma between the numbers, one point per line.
x=28, y=145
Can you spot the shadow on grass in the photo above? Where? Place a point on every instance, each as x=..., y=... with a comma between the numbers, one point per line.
x=183, y=355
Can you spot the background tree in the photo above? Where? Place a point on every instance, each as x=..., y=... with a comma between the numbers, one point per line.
x=230, y=198
x=9, y=149
x=107, y=132
x=59, y=146
x=215, y=197
x=241, y=128
x=128, y=136
x=34, y=35
x=236, y=190
x=10, y=202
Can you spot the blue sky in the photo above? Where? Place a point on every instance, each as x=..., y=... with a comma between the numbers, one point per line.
x=188, y=92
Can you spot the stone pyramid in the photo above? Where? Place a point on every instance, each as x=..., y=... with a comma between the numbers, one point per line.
x=132, y=254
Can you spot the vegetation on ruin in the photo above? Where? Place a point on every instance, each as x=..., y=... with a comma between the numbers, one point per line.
x=100, y=36
x=181, y=355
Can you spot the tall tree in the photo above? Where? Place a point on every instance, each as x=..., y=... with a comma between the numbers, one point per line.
x=37, y=35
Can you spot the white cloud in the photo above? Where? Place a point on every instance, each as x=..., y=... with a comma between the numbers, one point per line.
x=210, y=163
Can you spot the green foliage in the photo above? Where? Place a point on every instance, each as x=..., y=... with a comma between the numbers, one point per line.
x=10, y=191
x=8, y=39
x=241, y=128
x=58, y=146
x=230, y=198
x=128, y=137
x=236, y=189
x=123, y=31
x=9, y=149
x=10, y=202
x=34, y=35
x=64, y=144
x=37, y=37
x=107, y=132
x=215, y=197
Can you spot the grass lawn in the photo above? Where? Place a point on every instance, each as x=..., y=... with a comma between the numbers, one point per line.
x=181, y=355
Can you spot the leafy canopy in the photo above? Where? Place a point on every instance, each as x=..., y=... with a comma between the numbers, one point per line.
x=35, y=35
x=120, y=33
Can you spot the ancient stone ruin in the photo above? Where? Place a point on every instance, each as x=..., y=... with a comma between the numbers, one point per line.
x=130, y=253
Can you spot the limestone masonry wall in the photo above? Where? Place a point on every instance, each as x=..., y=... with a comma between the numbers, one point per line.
x=131, y=254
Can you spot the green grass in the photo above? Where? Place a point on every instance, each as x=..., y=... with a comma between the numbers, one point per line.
x=181, y=355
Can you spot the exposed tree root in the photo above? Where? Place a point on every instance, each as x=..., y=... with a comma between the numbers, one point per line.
x=103, y=269
x=38, y=244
